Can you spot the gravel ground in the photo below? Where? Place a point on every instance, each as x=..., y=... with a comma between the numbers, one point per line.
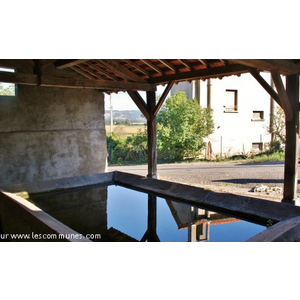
x=232, y=177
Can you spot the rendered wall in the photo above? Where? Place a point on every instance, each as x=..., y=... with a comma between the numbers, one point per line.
x=235, y=132
x=49, y=133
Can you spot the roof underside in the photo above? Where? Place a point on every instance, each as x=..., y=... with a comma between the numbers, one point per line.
x=162, y=71
x=114, y=75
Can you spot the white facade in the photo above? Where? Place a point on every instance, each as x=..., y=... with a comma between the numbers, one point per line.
x=241, y=112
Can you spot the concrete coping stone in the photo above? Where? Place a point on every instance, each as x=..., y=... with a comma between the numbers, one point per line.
x=284, y=231
x=60, y=184
x=248, y=208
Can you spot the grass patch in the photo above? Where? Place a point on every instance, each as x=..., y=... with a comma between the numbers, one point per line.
x=265, y=157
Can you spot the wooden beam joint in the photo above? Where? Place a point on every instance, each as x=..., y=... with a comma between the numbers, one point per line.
x=284, y=99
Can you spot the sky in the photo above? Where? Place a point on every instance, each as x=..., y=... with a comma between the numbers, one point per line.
x=122, y=101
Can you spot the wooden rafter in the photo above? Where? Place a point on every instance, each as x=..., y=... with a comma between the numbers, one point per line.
x=203, y=62
x=105, y=73
x=120, y=70
x=88, y=71
x=168, y=65
x=152, y=66
x=186, y=64
x=78, y=70
x=202, y=74
x=137, y=67
x=66, y=63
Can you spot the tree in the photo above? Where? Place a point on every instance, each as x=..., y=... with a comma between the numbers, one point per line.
x=181, y=125
x=278, y=128
x=7, y=90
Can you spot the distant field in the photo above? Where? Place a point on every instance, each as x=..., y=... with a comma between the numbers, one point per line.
x=124, y=130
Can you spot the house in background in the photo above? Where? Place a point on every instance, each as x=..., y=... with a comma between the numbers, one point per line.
x=241, y=112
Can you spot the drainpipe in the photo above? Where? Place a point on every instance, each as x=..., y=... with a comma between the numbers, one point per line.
x=197, y=90
x=271, y=126
x=111, y=114
x=208, y=93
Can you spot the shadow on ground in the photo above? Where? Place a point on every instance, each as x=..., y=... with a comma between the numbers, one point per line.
x=251, y=181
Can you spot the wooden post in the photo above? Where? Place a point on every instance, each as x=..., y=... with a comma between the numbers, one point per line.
x=291, y=146
x=151, y=131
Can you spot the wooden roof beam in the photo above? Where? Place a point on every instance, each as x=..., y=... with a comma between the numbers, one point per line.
x=136, y=66
x=163, y=97
x=120, y=70
x=86, y=70
x=78, y=70
x=168, y=65
x=152, y=66
x=50, y=81
x=285, y=66
x=140, y=103
x=201, y=74
x=67, y=63
x=95, y=67
x=266, y=86
x=186, y=64
x=284, y=99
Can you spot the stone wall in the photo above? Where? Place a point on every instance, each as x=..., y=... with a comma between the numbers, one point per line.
x=49, y=133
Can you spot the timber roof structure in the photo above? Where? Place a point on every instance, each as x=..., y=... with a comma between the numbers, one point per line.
x=114, y=75
x=148, y=72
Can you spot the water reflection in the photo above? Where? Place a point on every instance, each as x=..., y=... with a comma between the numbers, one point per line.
x=121, y=214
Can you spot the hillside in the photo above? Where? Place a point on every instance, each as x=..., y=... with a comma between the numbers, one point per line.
x=134, y=116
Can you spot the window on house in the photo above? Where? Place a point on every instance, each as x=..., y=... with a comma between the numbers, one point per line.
x=258, y=115
x=7, y=89
x=257, y=146
x=231, y=104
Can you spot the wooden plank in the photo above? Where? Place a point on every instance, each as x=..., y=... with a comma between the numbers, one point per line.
x=163, y=97
x=266, y=86
x=51, y=81
x=19, y=78
x=122, y=71
x=66, y=63
x=201, y=74
x=284, y=99
x=140, y=103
